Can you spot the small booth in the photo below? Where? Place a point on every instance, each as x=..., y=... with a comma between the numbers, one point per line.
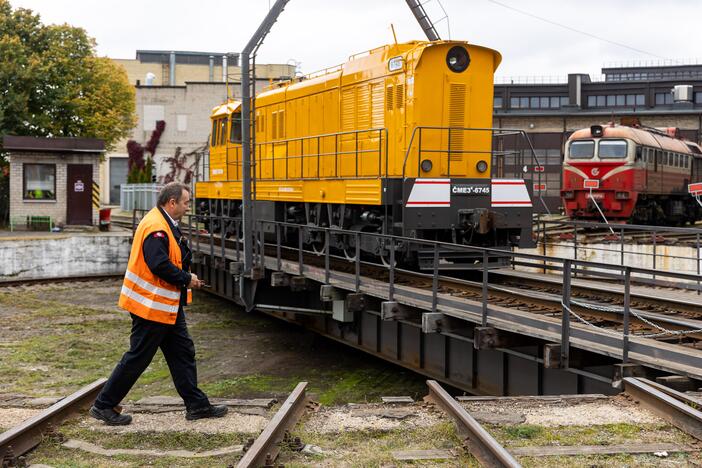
x=53, y=181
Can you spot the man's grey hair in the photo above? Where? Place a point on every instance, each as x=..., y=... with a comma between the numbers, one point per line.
x=171, y=190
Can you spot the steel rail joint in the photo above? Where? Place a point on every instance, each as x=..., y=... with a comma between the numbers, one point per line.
x=266, y=447
x=19, y=440
x=677, y=413
x=483, y=446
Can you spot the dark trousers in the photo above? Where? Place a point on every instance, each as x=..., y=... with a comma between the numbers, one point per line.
x=178, y=349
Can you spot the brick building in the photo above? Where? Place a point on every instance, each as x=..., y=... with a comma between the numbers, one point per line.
x=551, y=109
x=52, y=179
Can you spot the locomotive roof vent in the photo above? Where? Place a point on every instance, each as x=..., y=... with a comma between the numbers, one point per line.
x=682, y=93
x=596, y=130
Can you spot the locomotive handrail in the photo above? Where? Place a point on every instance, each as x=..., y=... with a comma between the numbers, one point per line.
x=495, y=132
x=380, y=134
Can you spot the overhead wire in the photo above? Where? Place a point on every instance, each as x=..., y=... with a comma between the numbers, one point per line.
x=579, y=31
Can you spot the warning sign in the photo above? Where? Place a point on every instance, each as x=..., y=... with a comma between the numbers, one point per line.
x=78, y=186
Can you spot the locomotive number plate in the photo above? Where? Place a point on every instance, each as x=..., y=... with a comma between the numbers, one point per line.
x=470, y=189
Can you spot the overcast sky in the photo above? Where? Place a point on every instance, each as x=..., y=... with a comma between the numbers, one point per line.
x=322, y=33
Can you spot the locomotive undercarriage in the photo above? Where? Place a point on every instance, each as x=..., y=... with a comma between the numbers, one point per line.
x=475, y=228
x=665, y=210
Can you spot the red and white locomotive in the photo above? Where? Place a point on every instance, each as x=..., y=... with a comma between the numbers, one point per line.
x=632, y=174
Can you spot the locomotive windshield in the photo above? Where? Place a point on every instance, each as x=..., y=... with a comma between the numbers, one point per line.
x=583, y=149
x=612, y=149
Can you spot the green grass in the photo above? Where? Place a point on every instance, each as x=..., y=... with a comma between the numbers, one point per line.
x=374, y=447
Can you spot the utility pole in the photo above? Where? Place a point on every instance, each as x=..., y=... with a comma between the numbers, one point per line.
x=246, y=127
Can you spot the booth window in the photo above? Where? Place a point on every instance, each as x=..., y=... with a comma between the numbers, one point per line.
x=39, y=181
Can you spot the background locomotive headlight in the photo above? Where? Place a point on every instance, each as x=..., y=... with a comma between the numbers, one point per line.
x=457, y=59
x=481, y=166
x=427, y=165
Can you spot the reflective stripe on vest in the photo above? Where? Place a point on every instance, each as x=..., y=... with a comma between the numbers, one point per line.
x=143, y=293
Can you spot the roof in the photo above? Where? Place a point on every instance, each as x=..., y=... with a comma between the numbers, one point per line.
x=640, y=136
x=53, y=145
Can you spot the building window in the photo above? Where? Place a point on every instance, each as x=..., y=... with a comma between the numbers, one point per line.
x=182, y=122
x=664, y=98
x=497, y=102
x=640, y=100
x=698, y=98
x=39, y=181
x=538, y=102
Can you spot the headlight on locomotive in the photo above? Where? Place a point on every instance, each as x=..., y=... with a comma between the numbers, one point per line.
x=481, y=166
x=426, y=165
x=457, y=59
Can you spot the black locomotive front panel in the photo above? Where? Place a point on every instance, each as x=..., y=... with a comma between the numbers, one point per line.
x=466, y=204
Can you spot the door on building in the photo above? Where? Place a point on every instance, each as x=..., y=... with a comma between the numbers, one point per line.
x=79, y=194
x=118, y=176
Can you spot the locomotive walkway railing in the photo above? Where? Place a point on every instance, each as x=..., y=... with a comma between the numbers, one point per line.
x=449, y=143
x=353, y=154
x=273, y=234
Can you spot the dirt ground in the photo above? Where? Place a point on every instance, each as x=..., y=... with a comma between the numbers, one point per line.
x=56, y=338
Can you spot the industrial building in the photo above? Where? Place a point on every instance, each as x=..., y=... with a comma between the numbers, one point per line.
x=551, y=109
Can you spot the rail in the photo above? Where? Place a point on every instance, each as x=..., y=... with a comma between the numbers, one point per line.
x=567, y=269
x=670, y=405
x=265, y=448
x=482, y=445
x=354, y=154
x=19, y=440
x=657, y=236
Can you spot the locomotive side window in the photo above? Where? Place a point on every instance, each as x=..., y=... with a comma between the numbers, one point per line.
x=235, y=129
x=583, y=149
x=612, y=149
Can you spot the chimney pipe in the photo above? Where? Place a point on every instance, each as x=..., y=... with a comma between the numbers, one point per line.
x=211, y=68
x=224, y=68
x=171, y=69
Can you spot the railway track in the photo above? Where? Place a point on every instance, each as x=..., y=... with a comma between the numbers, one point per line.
x=16, y=442
x=62, y=279
x=675, y=407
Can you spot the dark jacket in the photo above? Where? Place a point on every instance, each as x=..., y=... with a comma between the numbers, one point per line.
x=156, y=256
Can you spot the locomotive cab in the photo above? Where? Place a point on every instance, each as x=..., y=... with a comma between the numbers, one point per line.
x=628, y=174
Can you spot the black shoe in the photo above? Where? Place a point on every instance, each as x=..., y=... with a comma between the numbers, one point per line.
x=206, y=412
x=110, y=416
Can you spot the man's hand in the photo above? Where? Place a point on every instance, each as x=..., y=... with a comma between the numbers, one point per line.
x=195, y=283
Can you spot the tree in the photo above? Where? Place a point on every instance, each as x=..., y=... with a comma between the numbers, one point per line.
x=53, y=84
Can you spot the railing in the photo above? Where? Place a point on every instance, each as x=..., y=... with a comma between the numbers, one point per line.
x=656, y=236
x=353, y=154
x=228, y=227
x=449, y=142
x=138, y=196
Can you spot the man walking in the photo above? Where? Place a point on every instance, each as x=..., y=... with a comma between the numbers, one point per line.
x=156, y=286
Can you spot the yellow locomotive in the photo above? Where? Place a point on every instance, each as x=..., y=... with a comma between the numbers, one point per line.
x=396, y=140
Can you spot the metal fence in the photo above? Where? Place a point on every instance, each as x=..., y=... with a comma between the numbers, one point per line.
x=138, y=196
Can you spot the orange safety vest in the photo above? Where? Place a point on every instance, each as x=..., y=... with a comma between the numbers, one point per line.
x=143, y=293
